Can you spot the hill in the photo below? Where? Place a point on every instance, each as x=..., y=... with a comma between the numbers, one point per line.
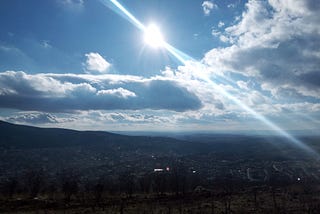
x=14, y=136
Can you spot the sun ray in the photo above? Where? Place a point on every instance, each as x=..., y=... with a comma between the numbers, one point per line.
x=184, y=58
x=126, y=14
x=153, y=36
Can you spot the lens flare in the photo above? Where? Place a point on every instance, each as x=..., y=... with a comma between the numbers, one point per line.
x=121, y=10
x=155, y=38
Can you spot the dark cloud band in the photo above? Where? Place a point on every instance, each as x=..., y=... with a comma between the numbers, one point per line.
x=42, y=92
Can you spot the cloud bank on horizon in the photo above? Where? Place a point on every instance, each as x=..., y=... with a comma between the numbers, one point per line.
x=267, y=55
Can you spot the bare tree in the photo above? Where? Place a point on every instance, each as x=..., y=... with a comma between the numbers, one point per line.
x=98, y=190
x=145, y=183
x=159, y=182
x=9, y=187
x=34, y=181
x=51, y=189
x=127, y=183
x=228, y=187
x=178, y=178
x=212, y=202
x=69, y=184
x=274, y=184
x=255, y=192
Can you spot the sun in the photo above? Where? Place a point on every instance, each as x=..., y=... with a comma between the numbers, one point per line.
x=153, y=36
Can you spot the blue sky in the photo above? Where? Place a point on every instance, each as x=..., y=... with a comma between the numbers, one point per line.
x=81, y=64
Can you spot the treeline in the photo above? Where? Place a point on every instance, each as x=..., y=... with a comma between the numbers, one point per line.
x=69, y=183
x=184, y=188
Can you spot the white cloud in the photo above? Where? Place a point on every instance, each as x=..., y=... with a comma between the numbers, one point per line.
x=46, y=44
x=34, y=117
x=242, y=85
x=223, y=38
x=208, y=6
x=119, y=92
x=275, y=47
x=231, y=5
x=31, y=84
x=72, y=4
x=70, y=92
x=271, y=65
x=215, y=32
x=273, y=51
x=129, y=117
x=220, y=24
x=95, y=62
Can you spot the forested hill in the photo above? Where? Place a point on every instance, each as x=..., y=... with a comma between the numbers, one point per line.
x=28, y=137
x=224, y=146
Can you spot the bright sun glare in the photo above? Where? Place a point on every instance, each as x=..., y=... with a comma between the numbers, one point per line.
x=153, y=36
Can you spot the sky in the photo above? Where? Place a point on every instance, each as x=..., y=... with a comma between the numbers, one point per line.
x=83, y=64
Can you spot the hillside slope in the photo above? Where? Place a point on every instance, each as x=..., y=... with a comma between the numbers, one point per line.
x=28, y=137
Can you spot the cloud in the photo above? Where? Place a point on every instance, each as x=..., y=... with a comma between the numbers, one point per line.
x=215, y=32
x=45, y=44
x=231, y=5
x=36, y=118
x=270, y=62
x=208, y=6
x=71, y=92
x=243, y=85
x=125, y=117
x=220, y=24
x=119, y=92
x=72, y=4
x=223, y=38
x=271, y=65
x=96, y=63
x=275, y=44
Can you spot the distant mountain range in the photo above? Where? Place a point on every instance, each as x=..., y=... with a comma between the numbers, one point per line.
x=14, y=136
